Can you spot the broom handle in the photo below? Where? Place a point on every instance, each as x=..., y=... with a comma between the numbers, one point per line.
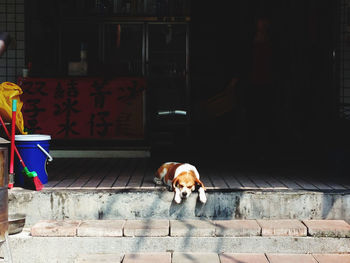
x=13, y=127
x=8, y=135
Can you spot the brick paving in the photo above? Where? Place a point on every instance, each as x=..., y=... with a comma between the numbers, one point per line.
x=178, y=257
x=161, y=228
x=332, y=258
x=287, y=227
x=195, y=258
x=242, y=258
x=289, y=258
x=192, y=228
x=150, y=228
x=99, y=258
x=101, y=228
x=147, y=258
x=53, y=228
x=328, y=228
x=237, y=228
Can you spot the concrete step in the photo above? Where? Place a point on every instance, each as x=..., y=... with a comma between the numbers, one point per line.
x=69, y=240
x=80, y=204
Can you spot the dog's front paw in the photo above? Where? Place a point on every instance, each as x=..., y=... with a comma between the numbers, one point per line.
x=202, y=196
x=177, y=197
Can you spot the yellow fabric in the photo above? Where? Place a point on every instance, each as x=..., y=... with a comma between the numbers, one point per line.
x=8, y=92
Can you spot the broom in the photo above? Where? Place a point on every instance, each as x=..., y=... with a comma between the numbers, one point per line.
x=37, y=183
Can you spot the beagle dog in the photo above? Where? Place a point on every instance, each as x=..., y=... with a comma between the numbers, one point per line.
x=182, y=178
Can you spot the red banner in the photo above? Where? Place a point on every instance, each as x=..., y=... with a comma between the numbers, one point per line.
x=84, y=108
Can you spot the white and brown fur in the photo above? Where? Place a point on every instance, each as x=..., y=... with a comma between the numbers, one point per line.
x=182, y=178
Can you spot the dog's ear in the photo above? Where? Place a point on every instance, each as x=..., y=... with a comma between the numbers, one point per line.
x=175, y=181
x=199, y=182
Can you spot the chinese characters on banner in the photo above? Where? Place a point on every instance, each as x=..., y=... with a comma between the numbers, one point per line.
x=84, y=108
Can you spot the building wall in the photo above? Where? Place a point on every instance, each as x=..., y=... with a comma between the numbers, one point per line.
x=12, y=21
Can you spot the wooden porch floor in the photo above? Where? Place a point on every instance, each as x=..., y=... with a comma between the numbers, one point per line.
x=138, y=173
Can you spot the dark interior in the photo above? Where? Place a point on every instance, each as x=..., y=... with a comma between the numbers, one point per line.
x=285, y=98
x=277, y=55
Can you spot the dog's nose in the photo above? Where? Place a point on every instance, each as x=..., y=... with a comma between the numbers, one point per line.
x=184, y=194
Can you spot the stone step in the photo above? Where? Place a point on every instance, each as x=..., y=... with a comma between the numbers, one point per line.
x=158, y=203
x=68, y=240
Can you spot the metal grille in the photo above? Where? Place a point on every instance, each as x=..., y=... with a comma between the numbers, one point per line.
x=344, y=65
x=12, y=21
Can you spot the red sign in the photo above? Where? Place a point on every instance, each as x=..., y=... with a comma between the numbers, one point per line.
x=84, y=108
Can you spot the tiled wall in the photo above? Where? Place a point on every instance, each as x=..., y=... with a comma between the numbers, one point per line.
x=12, y=21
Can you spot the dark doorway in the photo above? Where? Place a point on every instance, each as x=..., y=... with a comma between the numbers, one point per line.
x=276, y=56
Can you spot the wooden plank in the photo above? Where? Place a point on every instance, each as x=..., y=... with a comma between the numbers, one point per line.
x=54, y=170
x=74, y=171
x=233, y=183
x=62, y=172
x=95, y=180
x=289, y=176
x=124, y=176
x=289, y=183
x=228, y=173
x=245, y=181
x=304, y=184
x=314, y=177
x=217, y=180
x=301, y=176
x=138, y=174
x=258, y=179
x=71, y=173
x=204, y=174
x=206, y=181
x=346, y=185
x=335, y=185
x=99, y=165
x=89, y=170
x=334, y=182
x=275, y=183
x=73, y=176
x=320, y=185
x=112, y=174
x=147, y=181
x=231, y=180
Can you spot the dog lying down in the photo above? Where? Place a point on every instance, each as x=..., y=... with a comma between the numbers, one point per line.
x=182, y=178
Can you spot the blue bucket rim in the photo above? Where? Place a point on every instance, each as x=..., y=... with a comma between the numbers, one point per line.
x=32, y=137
